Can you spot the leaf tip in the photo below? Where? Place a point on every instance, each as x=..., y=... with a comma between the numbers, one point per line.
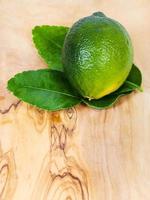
x=34, y=29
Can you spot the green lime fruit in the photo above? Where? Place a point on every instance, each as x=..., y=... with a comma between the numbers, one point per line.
x=97, y=55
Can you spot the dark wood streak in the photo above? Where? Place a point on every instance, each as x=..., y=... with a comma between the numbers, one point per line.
x=1, y=170
x=15, y=105
x=9, y=186
x=71, y=113
x=53, y=137
x=62, y=138
x=73, y=177
x=62, y=124
x=60, y=130
x=61, y=169
x=59, y=137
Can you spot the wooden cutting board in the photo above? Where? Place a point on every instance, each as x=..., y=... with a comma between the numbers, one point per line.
x=80, y=153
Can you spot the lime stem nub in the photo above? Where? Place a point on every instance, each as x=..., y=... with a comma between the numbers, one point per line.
x=99, y=14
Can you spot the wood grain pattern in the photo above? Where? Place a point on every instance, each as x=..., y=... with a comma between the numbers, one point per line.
x=79, y=153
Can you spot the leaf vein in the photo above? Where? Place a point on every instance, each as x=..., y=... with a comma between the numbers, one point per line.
x=49, y=90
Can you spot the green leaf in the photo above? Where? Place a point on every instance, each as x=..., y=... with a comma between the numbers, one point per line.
x=45, y=88
x=49, y=42
x=135, y=75
x=132, y=83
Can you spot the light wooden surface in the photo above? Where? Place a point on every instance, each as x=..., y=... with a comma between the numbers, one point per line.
x=80, y=153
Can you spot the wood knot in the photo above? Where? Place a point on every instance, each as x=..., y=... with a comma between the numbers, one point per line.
x=38, y=116
x=55, y=117
x=70, y=112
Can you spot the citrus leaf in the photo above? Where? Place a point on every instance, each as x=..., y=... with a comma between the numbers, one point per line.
x=105, y=102
x=49, y=42
x=135, y=75
x=133, y=82
x=45, y=88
